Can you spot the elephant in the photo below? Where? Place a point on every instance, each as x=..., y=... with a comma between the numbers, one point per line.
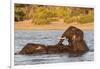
x=68, y=34
x=52, y=49
x=75, y=36
x=32, y=48
x=77, y=44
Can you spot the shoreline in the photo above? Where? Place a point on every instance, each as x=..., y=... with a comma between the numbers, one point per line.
x=52, y=26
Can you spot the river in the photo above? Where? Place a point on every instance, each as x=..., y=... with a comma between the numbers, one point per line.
x=48, y=37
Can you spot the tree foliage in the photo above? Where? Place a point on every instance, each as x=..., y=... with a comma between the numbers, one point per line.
x=44, y=14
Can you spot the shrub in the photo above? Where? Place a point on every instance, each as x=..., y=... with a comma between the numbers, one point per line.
x=71, y=19
x=19, y=15
x=42, y=16
x=41, y=21
x=86, y=19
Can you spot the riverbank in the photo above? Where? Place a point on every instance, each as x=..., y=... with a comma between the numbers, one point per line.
x=28, y=25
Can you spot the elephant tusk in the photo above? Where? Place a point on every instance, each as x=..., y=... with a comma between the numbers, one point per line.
x=61, y=38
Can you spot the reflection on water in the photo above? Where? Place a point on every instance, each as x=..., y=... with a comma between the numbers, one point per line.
x=48, y=38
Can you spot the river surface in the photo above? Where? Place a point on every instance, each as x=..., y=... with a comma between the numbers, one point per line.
x=50, y=37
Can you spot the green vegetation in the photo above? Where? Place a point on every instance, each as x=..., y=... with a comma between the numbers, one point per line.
x=43, y=14
x=71, y=19
x=86, y=19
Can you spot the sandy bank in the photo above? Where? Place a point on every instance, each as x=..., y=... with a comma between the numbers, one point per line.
x=28, y=25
